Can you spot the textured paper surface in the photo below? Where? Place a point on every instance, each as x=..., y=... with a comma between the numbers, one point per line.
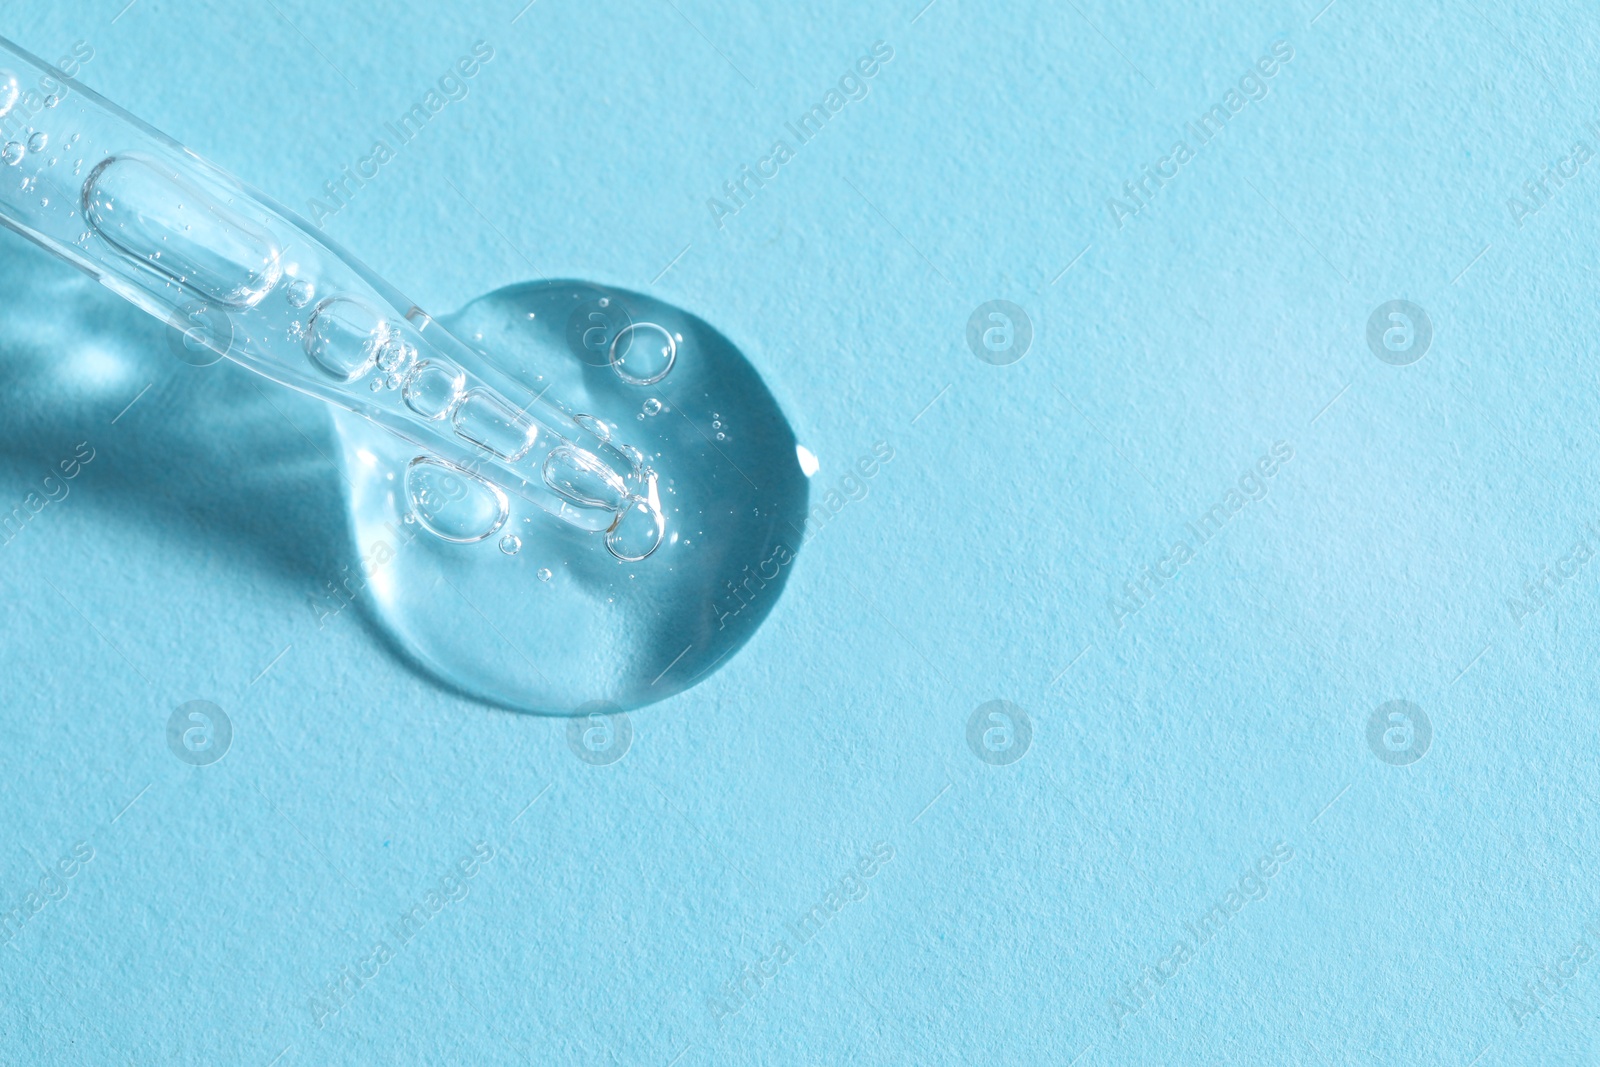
x=1199, y=858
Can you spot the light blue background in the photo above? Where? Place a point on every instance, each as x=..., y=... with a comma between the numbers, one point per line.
x=1167, y=754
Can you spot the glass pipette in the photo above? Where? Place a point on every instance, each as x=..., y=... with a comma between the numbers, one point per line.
x=194, y=246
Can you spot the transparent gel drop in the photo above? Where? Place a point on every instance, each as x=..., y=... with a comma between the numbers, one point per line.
x=643, y=353
x=13, y=152
x=343, y=338
x=181, y=232
x=454, y=504
x=642, y=607
x=37, y=142
x=299, y=293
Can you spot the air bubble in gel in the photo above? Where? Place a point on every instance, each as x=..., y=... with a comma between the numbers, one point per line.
x=13, y=152
x=643, y=353
x=394, y=355
x=181, y=232
x=595, y=426
x=433, y=387
x=583, y=478
x=452, y=503
x=488, y=423
x=344, y=336
x=637, y=532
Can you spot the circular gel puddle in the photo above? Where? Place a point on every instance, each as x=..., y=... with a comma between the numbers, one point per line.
x=560, y=622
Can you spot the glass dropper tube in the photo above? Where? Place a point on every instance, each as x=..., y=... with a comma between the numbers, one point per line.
x=196, y=247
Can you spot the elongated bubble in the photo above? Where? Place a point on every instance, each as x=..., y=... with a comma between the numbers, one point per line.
x=488, y=423
x=156, y=218
x=583, y=478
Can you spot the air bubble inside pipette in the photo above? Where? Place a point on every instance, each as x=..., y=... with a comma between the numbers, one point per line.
x=179, y=231
x=433, y=387
x=343, y=338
